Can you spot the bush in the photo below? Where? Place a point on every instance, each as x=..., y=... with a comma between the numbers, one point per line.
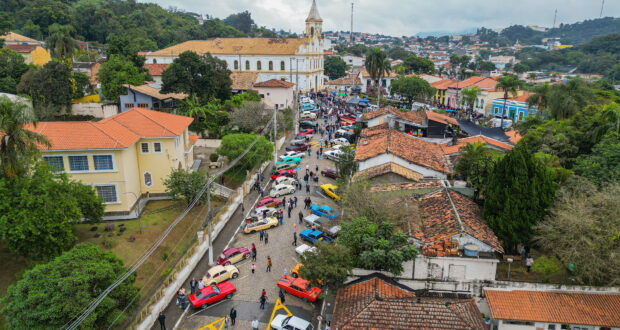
x=214, y=157
x=547, y=266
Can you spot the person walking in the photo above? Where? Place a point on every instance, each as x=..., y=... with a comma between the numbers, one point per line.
x=295, y=238
x=266, y=238
x=263, y=300
x=182, y=298
x=281, y=296
x=254, y=254
x=162, y=321
x=308, y=189
x=201, y=284
x=255, y=324
x=233, y=315
x=301, y=216
x=317, y=169
x=268, y=264
x=193, y=284
x=295, y=201
x=261, y=234
x=283, y=202
x=253, y=267
x=289, y=212
x=528, y=263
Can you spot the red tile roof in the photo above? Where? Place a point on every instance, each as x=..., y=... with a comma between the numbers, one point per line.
x=377, y=304
x=116, y=132
x=409, y=148
x=22, y=48
x=193, y=139
x=521, y=98
x=453, y=149
x=274, y=83
x=597, y=309
x=345, y=81
x=156, y=69
x=442, y=84
x=481, y=82
x=374, y=130
x=416, y=117
x=440, y=222
x=513, y=137
x=390, y=167
x=435, y=116
x=407, y=186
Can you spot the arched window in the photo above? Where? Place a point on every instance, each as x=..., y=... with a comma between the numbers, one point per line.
x=312, y=31
x=247, y=65
x=236, y=65
x=482, y=103
x=282, y=66
x=270, y=65
x=258, y=66
x=154, y=61
x=148, y=179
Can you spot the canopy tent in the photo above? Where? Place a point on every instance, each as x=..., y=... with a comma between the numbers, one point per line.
x=364, y=100
x=342, y=94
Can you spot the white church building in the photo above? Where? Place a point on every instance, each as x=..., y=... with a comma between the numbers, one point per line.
x=296, y=60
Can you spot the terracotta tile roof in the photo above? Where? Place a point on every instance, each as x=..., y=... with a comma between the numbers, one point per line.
x=242, y=46
x=435, y=116
x=365, y=74
x=156, y=69
x=411, y=149
x=442, y=84
x=345, y=81
x=406, y=186
x=416, y=117
x=481, y=82
x=374, y=130
x=154, y=92
x=521, y=98
x=117, y=132
x=274, y=83
x=440, y=223
x=24, y=49
x=597, y=309
x=513, y=136
x=376, y=304
x=243, y=80
x=193, y=139
x=453, y=149
x=14, y=37
x=390, y=167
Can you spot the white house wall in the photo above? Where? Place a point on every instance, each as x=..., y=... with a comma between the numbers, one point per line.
x=386, y=158
x=438, y=268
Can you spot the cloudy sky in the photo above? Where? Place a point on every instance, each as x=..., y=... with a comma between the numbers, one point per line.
x=403, y=17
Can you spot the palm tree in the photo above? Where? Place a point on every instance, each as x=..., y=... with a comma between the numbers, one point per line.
x=474, y=165
x=510, y=85
x=377, y=66
x=567, y=98
x=540, y=98
x=61, y=44
x=469, y=96
x=17, y=144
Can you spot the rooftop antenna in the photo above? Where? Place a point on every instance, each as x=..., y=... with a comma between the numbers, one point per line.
x=554, y=17
x=351, y=31
x=602, y=5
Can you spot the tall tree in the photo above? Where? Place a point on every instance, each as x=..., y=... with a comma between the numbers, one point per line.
x=568, y=98
x=205, y=77
x=241, y=21
x=18, y=146
x=125, y=47
x=474, y=164
x=520, y=68
x=346, y=163
x=418, y=64
x=331, y=265
x=6, y=23
x=116, y=72
x=469, y=97
x=50, y=87
x=602, y=165
x=377, y=66
x=510, y=85
x=335, y=67
x=12, y=67
x=181, y=184
x=233, y=145
x=540, y=98
x=61, y=43
x=413, y=88
x=50, y=295
x=519, y=192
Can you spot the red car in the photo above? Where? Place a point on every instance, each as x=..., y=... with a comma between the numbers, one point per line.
x=298, y=147
x=279, y=173
x=269, y=202
x=349, y=117
x=299, y=287
x=330, y=173
x=307, y=131
x=232, y=256
x=212, y=294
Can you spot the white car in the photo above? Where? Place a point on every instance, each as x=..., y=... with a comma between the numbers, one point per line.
x=284, y=322
x=306, y=100
x=285, y=180
x=341, y=141
x=305, y=248
x=333, y=154
x=337, y=147
x=307, y=115
x=271, y=212
x=293, y=154
x=281, y=190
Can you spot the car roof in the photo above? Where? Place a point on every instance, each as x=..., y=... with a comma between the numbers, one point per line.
x=217, y=268
x=307, y=231
x=316, y=232
x=325, y=207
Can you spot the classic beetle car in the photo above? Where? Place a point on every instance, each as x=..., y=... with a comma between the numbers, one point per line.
x=218, y=274
x=259, y=225
x=269, y=202
x=281, y=190
x=279, y=173
x=211, y=294
x=233, y=255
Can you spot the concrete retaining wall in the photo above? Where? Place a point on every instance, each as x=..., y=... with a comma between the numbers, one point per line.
x=208, y=143
x=97, y=110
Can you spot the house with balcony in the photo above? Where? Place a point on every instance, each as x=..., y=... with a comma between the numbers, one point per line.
x=125, y=157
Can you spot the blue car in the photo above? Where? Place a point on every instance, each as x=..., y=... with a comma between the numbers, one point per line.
x=324, y=211
x=306, y=107
x=314, y=236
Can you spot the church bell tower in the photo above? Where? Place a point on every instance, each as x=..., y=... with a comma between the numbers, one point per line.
x=314, y=24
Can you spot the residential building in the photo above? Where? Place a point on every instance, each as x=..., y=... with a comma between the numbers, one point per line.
x=453, y=149
x=367, y=81
x=484, y=101
x=12, y=38
x=343, y=84
x=420, y=159
x=453, y=93
x=148, y=96
x=376, y=301
x=352, y=60
x=88, y=68
x=513, y=309
x=298, y=60
x=33, y=54
x=125, y=157
x=501, y=61
x=156, y=71
x=275, y=93
x=441, y=86
x=243, y=81
x=440, y=125
x=516, y=109
x=412, y=122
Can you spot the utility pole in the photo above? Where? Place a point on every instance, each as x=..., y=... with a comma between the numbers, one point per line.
x=351, y=30
x=602, y=5
x=554, y=17
x=290, y=69
x=209, y=225
x=275, y=134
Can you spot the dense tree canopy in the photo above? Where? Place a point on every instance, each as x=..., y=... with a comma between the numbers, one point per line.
x=50, y=295
x=331, y=264
x=416, y=64
x=50, y=87
x=413, y=88
x=335, y=67
x=116, y=72
x=474, y=164
x=12, y=67
x=233, y=145
x=181, y=184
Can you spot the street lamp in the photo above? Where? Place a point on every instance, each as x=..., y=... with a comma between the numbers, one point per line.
x=509, y=260
x=139, y=208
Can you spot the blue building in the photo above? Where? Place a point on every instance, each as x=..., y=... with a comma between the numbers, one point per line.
x=148, y=96
x=516, y=108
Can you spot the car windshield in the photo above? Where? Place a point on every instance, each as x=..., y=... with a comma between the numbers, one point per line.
x=215, y=288
x=285, y=322
x=198, y=294
x=222, y=256
x=208, y=275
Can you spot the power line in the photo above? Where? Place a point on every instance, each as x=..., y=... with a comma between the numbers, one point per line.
x=93, y=305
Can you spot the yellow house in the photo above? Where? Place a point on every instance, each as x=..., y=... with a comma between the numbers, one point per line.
x=441, y=86
x=34, y=54
x=125, y=157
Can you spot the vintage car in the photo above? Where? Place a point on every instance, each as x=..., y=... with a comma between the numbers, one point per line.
x=331, y=191
x=218, y=274
x=299, y=287
x=211, y=294
x=330, y=173
x=284, y=322
x=281, y=190
x=233, y=255
x=293, y=154
x=260, y=224
x=269, y=202
x=324, y=211
x=285, y=180
x=314, y=236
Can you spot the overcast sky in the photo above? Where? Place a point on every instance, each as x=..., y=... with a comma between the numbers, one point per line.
x=403, y=17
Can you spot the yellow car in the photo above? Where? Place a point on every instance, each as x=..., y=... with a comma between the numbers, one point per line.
x=260, y=224
x=331, y=191
x=219, y=274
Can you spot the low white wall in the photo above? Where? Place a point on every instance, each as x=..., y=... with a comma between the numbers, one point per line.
x=440, y=268
x=208, y=143
x=97, y=110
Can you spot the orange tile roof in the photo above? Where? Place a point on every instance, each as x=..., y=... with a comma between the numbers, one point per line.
x=274, y=83
x=365, y=74
x=193, y=139
x=243, y=80
x=481, y=82
x=390, y=167
x=406, y=186
x=442, y=84
x=409, y=148
x=435, y=116
x=14, y=37
x=513, y=137
x=117, y=132
x=521, y=98
x=156, y=69
x=455, y=148
x=345, y=81
x=22, y=48
x=242, y=46
x=416, y=117
x=597, y=309
x=375, y=303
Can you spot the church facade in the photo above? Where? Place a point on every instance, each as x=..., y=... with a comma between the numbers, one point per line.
x=296, y=60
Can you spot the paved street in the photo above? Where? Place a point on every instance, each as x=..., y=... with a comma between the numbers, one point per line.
x=280, y=248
